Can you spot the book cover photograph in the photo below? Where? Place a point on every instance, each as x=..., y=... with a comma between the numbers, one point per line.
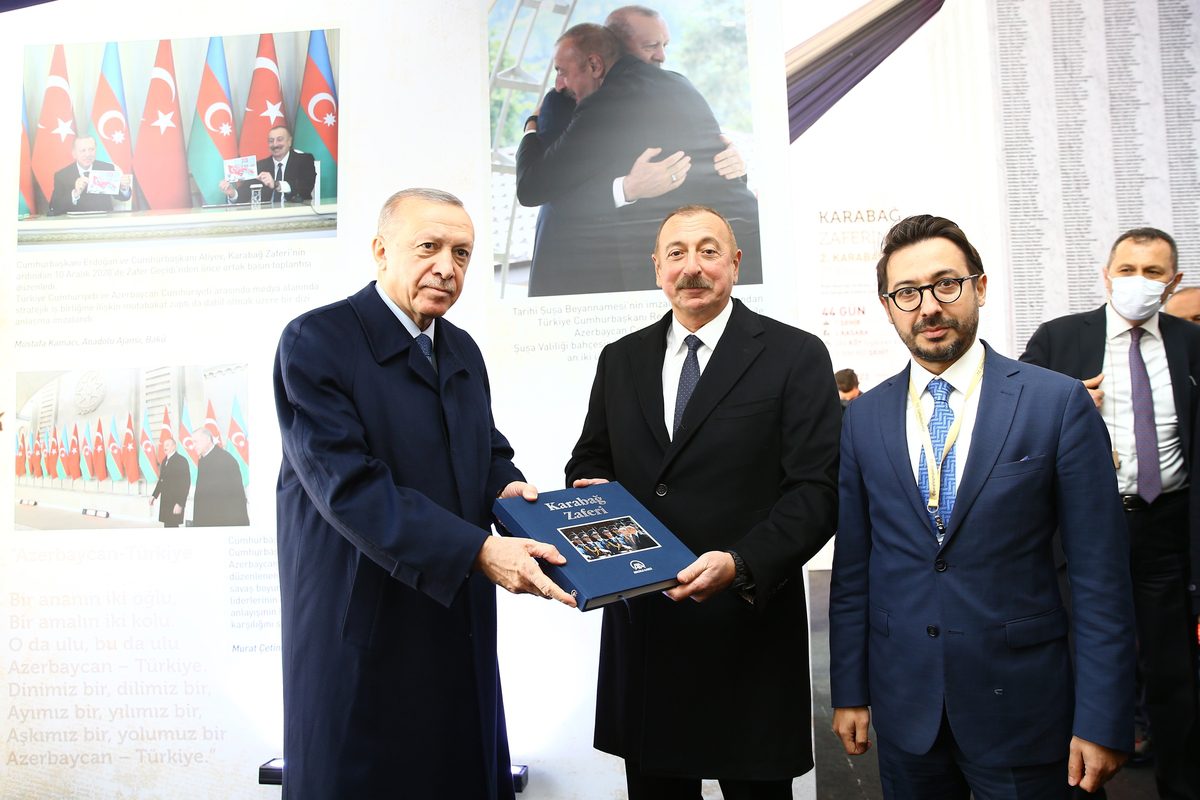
x=615, y=548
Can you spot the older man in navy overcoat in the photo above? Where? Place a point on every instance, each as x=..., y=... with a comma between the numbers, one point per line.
x=391, y=463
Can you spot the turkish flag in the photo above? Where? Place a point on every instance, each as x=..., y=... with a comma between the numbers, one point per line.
x=160, y=161
x=52, y=455
x=21, y=457
x=72, y=457
x=35, y=465
x=56, y=126
x=99, y=462
x=210, y=423
x=264, y=105
x=163, y=435
x=129, y=452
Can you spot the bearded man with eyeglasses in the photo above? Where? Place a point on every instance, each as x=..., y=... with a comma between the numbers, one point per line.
x=947, y=630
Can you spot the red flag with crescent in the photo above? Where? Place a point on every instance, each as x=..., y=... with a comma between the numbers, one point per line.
x=264, y=104
x=160, y=162
x=56, y=126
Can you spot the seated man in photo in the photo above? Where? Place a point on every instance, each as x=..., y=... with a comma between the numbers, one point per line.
x=287, y=176
x=71, y=182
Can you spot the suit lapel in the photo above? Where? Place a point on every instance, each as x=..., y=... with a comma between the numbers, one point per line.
x=386, y=336
x=732, y=356
x=893, y=429
x=998, y=396
x=646, y=363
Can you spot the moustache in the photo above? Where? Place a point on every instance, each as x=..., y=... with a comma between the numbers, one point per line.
x=693, y=282
x=447, y=285
x=935, y=322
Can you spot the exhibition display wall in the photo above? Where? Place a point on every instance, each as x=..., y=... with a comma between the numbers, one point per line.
x=143, y=661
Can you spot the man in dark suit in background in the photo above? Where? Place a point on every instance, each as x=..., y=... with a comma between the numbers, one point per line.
x=1141, y=368
x=729, y=437
x=391, y=464
x=71, y=182
x=220, y=495
x=287, y=175
x=946, y=628
x=174, y=483
x=626, y=106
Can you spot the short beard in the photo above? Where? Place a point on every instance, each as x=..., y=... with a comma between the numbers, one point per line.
x=950, y=351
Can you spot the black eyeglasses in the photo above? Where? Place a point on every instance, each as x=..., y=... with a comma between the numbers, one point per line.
x=945, y=290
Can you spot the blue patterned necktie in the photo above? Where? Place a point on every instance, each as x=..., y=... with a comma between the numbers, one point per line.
x=939, y=425
x=689, y=376
x=426, y=345
x=1145, y=434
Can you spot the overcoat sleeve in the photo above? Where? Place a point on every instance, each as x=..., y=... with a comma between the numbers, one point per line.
x=418, y=542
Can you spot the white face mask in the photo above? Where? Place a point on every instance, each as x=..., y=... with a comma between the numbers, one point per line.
x=1136, y=298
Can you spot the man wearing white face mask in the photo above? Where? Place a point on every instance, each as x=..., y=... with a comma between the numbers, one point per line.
x=1142, y=368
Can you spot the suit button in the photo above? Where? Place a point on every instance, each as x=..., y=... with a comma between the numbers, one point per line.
x=932, y=630
x=661, y=490
x=940, y=565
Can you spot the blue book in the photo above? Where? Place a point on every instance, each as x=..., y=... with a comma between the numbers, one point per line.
x=615, y=548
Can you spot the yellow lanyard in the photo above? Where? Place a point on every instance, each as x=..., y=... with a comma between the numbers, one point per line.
x=933, y=465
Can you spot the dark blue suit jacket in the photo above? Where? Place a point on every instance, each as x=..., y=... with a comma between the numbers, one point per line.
x=977, y=626
x=389, y=640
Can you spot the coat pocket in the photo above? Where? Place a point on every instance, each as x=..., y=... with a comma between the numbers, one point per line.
x=1040, y=628
x=879, y=621
x=362, y=608
x=1029, y=464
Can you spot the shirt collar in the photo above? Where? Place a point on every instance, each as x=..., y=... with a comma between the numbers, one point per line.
x=959, y=374
x=406, y=320
x=709, y=333
x=282, y=160
x=1115, y=324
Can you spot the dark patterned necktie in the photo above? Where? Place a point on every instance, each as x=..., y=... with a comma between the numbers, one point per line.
x=1145, y=434
x=426, y=345
x=689, y=376
x=278, y=180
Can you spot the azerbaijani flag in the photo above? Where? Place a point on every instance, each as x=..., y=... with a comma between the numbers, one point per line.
x=160, y=163
x=146, y=459
x=110, y=122
x=213, y=139
x=316, y=119
x=241, y=445
x=64, y=462
x=112, y=453
x=25, y=199
x=264, y=104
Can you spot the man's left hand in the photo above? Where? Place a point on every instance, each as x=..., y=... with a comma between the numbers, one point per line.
x=520, y=489
x=710, y=573
x=1091, y=765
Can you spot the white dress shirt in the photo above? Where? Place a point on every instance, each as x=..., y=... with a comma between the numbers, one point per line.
x=709, y=335
x=1117, y=405
x=959, y=375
